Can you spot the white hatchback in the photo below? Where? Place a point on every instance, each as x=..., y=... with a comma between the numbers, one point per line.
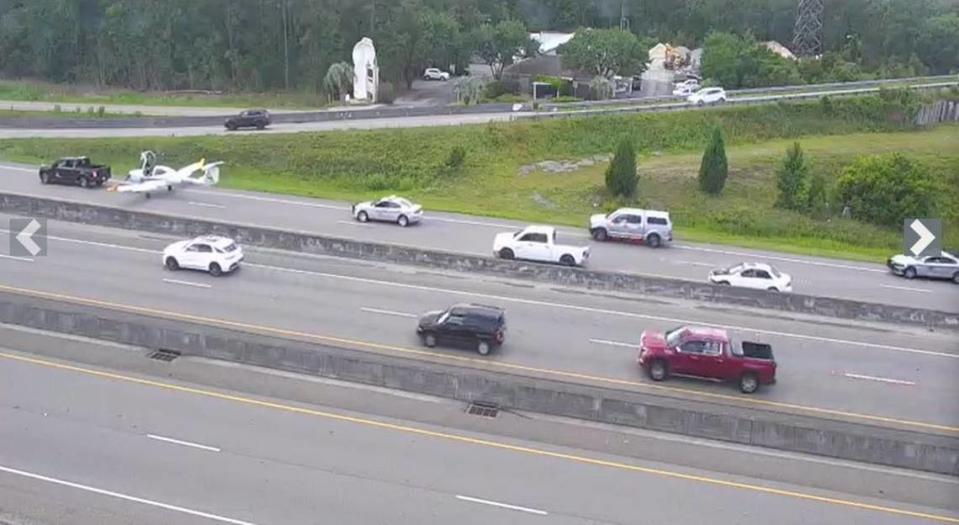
x=710, y=95
x=209, y=253
x=758, y=276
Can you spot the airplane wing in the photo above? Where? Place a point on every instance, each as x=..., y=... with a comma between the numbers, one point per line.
x=141, y=187
x=210, y=176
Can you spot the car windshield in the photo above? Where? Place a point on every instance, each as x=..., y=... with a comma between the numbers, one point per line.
x=673, y=337
x=775, y=272
x=404, y=203
x=443, y=317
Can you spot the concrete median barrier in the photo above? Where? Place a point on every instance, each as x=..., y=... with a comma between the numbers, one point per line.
x=306, y=242
x=824, y=437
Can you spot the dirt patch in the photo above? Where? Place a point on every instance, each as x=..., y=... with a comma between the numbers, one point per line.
x=563, y=166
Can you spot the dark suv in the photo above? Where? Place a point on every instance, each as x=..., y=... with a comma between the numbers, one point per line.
x=464, y=325
x=253, y=118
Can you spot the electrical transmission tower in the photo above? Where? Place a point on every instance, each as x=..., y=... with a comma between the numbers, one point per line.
x=807, y=37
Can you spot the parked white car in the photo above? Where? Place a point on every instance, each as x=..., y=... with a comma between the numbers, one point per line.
x=388, y=209
x=209, y=253
x=538, y=243
x=758, y=276
x=710, y=95
x=651, y=227
x=433, y=73
x=686, y=87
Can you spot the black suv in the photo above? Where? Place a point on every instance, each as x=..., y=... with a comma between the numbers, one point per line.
x=253, y=118
x=465, y=325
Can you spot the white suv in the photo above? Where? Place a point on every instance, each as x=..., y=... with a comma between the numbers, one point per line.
x=651, y=227
x=209, y=253
x=710, y=95
x=433, y=73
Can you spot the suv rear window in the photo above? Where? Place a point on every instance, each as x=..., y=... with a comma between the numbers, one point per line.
x=657, y=220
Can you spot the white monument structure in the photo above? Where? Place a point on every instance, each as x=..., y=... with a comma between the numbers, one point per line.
x=366, y=73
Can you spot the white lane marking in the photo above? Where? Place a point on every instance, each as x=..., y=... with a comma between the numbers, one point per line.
x=15, y=258
x=472, y=223
x=184, y=443
x=552, y=305
x=19, y=169
x=613, y=343
x=206, y=205
x=906, y=288
x=187, y=283
x=879, y=379
x=278, y=201
x=502, y=505
x=694, y=263
x=387, y=312
x=354, y=223
x=118, y=495
x=779, y=258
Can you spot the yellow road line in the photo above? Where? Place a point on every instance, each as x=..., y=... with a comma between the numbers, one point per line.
x=480, y=442
x=482, y=363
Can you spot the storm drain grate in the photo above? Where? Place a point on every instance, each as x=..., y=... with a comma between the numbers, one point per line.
x=479, y=408
x=165, y=355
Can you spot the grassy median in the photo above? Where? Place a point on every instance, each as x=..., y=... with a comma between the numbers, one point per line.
x=501, y=175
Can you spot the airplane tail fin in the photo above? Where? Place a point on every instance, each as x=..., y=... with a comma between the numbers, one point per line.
x=211, y=173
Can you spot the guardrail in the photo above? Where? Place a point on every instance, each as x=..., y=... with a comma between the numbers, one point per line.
x=305, y=242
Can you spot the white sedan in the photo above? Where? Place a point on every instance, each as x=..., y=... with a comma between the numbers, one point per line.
x=757, y=276
x=710, y=95
x=388, y=209
x=209, y=253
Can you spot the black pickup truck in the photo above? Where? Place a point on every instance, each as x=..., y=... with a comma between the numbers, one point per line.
x=75, y=170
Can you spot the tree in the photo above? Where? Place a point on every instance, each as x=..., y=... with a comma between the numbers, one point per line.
x=601, y=88
x=741, y=62
x=791, y=180
x=606, y=52
x=817, y=200
x=939, y=47
x=885, y=189
x=338, y=80
x=713, y=170
x=497, y=44
x=621, y=178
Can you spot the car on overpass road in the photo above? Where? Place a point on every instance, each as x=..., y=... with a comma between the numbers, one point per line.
x=78, y=171
x=758, y=276
x=466, y=325
x=942, y=266
x=388, y=209
x=647, y=226
x=707, y=353
x=211, y=253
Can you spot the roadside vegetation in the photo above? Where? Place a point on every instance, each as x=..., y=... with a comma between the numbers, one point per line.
x=89, y=112
x=555, y=171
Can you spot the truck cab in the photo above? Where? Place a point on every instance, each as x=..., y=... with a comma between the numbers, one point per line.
x=706, y=353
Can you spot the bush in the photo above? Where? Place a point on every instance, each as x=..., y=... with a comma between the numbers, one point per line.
x=714, y=168
x=621, y=178
x=387, y=93
x=101, y=111
x=456, y=157
x=791, y=180
x=57, y=108
x=885, y=189
x=498, y=88
x=817, y=197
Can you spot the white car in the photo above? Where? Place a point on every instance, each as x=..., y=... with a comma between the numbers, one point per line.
x=388, y=209
x=710, y=95
x=209, y=253
x=686, y=87
x=538, y=243
x=758, y=276
x=433, y=73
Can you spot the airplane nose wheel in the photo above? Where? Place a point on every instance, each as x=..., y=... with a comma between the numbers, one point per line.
x=169, y=187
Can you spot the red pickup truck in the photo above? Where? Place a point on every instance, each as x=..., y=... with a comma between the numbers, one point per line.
x=707, y=353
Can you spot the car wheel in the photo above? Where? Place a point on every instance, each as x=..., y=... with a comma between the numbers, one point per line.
x=748, y=383
x=429, y=340
x=215, y=270
x=260, y=126
x=83, y=182
x=701, y=103
x=44, y=178
x=955, y=277
x=403, y=221
x=362, y=216
x=723, y=283
x=172, y=264
x=600, y=234
x=506, y=253
x=567, y=260
x=231, y=127
x=482, y=347
x=910, y=273
x=653, y=241
x=658, y=370
x=772, y=289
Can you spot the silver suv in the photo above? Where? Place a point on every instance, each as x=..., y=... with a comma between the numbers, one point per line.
x=649, y=226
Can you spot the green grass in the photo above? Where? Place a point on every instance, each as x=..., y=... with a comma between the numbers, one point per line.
x=352, y=165
x=46, y=92
x=6, y=114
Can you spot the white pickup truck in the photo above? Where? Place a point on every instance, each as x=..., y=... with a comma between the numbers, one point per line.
x=538, y=243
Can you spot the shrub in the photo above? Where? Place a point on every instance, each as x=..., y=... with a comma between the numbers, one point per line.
x=101, y=111
x=791, y=180
x=714, y=169
x=387, y=93
x=456, y=157
x=498, y=88
x=817, y=197
x=621, y=178
x=885, y=189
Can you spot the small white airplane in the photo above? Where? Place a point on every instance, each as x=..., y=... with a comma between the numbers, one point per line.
x=150, y=177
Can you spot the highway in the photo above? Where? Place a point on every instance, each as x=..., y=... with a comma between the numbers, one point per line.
x=86, y=445
x=474, y=235
x=882, y=375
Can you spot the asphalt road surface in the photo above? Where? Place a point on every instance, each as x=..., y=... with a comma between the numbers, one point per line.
x=876, y=374
x=81, y=446
x=474, y=235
